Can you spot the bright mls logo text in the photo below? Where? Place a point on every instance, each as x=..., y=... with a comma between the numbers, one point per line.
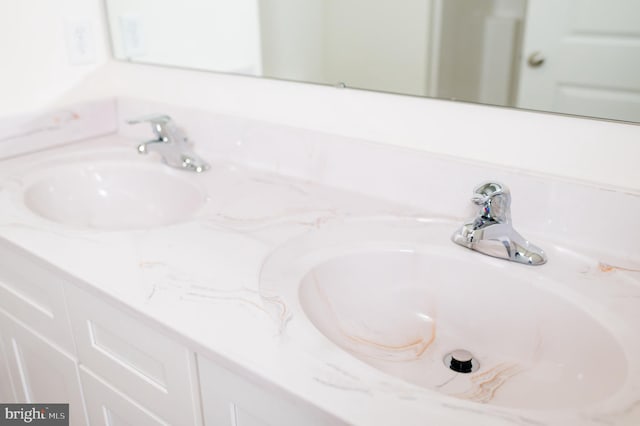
x=27, y=416
x=38, y=414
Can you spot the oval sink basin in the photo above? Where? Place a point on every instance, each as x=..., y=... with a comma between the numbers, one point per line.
x=403, y=311
x=113, y=196
x=403, y=298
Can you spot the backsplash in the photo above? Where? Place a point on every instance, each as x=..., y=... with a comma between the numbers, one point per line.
x=576, y=148
x=562, y=209
x=593, y=217
x=36, y=131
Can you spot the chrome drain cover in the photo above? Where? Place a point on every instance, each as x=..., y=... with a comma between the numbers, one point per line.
x=461, y=361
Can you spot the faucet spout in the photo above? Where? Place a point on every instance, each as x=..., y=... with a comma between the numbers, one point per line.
x=490, y=231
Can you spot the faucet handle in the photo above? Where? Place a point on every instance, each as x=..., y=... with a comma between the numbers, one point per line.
x=162, y=126
x=494, y=200
x=151, y=118
x=486, y=191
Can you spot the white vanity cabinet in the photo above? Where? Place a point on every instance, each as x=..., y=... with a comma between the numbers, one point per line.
x=131, y=373
x=231, y=400
x=59, y=343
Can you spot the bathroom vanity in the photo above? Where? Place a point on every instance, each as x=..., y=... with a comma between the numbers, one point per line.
x=304, y=278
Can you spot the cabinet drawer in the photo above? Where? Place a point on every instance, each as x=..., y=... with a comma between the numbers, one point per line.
x=31, y=291
x=139, y=361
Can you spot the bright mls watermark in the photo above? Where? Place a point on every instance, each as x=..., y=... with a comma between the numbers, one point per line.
x=34, y=414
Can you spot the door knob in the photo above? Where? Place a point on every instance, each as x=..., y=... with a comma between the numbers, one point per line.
x=535, y=59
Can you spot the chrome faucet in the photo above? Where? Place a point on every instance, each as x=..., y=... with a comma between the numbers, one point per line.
x=171, y=143
x=491, y=232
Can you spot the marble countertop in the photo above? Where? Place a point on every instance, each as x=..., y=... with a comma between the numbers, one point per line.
x=200, y=281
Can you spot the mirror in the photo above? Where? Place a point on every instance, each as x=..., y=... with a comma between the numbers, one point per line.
x=577, y=57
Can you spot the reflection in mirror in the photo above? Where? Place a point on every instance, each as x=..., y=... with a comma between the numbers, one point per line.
x=570, y=56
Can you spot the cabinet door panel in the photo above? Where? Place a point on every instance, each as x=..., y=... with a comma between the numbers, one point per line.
x=40, y=372
x=106, y=406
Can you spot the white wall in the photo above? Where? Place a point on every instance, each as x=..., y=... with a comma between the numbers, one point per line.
x=386, y=48
x=34, y=65
x=292, y=33
x=479, y=48
x=333, y=41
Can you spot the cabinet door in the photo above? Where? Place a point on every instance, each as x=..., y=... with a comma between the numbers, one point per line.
x=40, y=372
x=106, y=406
x=138, y=360
x=231, y=400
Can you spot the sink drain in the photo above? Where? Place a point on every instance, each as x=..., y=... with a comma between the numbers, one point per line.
x=461, y=361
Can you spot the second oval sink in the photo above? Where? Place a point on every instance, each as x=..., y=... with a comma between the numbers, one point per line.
x=404, y=311
x=112, y=195
x=399, y=296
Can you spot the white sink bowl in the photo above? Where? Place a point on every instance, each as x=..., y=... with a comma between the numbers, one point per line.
x=113, y=195
x=401, y=296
